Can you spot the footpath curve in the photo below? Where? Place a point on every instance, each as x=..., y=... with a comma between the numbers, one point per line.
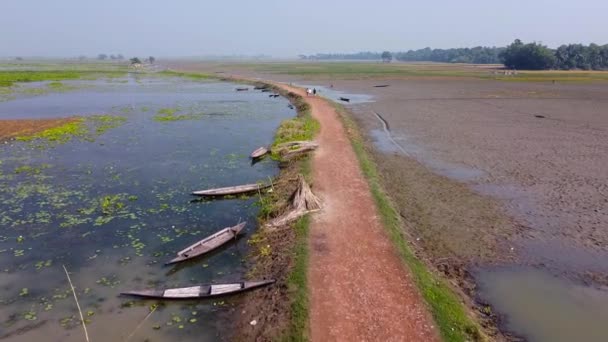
x=359, y=288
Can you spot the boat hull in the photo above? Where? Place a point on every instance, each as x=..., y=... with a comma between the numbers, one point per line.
x=208, y=244
x=233, y=190
x=200, y=291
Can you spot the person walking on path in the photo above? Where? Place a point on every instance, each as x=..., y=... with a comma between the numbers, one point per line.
x=314, y=91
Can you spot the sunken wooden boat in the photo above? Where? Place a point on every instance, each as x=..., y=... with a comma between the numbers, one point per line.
x=242, y=89
x=231, y=190
x=208, y=244
x=200, y=291
x=345, y=99
x=259, y=152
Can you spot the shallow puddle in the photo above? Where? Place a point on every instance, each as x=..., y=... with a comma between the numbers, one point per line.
x=335, y=95
x=542, y=307
x=116, y=205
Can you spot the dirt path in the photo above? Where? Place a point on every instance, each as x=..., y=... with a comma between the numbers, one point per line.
x=360, y=290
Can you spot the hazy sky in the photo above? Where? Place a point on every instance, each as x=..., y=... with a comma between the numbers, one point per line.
x=287, y=28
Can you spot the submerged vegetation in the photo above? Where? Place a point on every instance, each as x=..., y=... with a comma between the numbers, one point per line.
x=170, y=114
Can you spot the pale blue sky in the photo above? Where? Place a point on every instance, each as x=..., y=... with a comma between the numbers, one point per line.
x=288, y=28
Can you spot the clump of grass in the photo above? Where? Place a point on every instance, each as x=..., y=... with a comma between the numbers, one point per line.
x=82, y=128
x=195, y=76
x=169, y=114
x=103, y=123
x=449, y=313
x=60, y=134
x=302, y=127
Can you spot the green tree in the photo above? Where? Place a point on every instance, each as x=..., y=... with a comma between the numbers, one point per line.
x=135, y=60
x=151, y=59
x=531, y=56
x=102, y=56
x=387, y=57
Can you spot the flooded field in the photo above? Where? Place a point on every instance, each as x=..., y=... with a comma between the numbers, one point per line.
x=112, y=204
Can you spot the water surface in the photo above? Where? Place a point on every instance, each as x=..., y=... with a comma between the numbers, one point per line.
x=115, y=207
x=542, y=307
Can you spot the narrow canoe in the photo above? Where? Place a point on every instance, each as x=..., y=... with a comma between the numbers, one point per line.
x=231, y=190
x=259, y=152
x=242, y=89
x=345, y=99
x=208, y=244
x=200, y=291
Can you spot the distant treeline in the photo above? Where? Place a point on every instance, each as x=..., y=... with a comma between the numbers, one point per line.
x=531, y=56
x=534, y=56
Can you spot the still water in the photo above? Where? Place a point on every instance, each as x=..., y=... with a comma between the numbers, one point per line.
x=114, y=205
x=542, y=307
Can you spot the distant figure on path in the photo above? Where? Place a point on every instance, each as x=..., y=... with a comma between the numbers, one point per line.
x=308, y=91
x=314, y=91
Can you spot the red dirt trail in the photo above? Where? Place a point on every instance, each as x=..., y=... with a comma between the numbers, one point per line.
x=359, y=288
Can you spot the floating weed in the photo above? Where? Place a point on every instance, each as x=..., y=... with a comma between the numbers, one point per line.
x=30, y=316
x=24, y=292
x=67, y=322
x=31, y=170
x=111, y=204
x=108, y=281
x=41, y=264
x=19, y=252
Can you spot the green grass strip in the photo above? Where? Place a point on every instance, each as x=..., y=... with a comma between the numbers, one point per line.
x=298, y=284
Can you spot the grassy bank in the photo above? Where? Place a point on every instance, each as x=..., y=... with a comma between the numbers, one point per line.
x=282, y=254
x=302, y=127
x=451, y=315
x=9, y=78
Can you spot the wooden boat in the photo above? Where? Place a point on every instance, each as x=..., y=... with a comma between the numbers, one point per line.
x=265, y=90
x=200, y=291
x=260, y=87
x=242, y=89
x=231, y=190
x=345, y=99
x=259, y=152
x=208, y=244
x=381, y=86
